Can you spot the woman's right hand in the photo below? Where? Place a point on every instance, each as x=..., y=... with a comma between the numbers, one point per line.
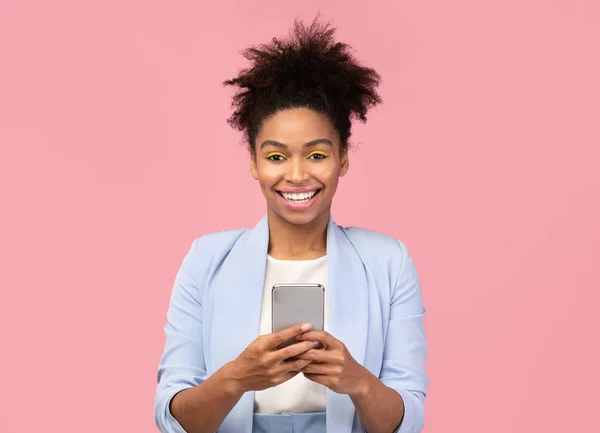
x=262, y=365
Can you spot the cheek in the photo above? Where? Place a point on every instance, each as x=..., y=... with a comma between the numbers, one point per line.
x=268, y=174
x=328, y=175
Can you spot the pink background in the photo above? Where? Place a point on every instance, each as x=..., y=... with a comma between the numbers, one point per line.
x=483, y=159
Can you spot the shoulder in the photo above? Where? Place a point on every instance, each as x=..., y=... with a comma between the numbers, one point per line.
x=219, y=240
x=212, y=247
x=374, y=243
x=380, y=251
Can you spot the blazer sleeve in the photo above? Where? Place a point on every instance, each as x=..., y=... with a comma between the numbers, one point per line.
x=405, y=351
x=182, y=364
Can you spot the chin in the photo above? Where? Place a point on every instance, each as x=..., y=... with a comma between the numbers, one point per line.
x=301, y=220
x=298, y=218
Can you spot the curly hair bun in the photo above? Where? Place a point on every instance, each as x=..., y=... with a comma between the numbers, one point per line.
x=307, y=69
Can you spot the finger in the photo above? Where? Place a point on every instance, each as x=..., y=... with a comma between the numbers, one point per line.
x=317, y=355
x=323, y=379
x=293, y=350
x=324, y=369
x=323, y=337
x=284, y=335
x=296, y=365
x=285, y=376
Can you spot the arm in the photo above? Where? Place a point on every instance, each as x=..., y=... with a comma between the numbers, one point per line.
x=261, y=365
x=393, y=402
x=380, y=408
x=203, y=408
x=405, y=351
x=187, y=401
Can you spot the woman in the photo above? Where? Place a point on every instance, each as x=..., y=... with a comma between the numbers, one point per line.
x=222, y=369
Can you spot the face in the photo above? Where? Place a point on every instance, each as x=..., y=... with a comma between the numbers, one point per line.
x=297, y=162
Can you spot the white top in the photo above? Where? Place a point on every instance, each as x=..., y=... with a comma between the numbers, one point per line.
x=297, y=395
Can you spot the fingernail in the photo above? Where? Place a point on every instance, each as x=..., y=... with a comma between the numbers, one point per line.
x=305, y=327
x=317, y=344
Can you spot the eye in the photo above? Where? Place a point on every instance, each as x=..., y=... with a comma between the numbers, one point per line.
x=276, y=157
x=318, y=155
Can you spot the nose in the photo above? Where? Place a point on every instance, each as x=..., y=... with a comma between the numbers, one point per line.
x=296, y=172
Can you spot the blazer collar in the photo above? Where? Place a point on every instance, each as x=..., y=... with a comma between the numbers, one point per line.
x=238, y=289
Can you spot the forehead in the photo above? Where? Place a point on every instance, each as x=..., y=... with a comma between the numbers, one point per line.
x=297, y=126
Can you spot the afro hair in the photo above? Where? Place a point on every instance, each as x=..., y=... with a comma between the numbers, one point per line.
x=308, y=69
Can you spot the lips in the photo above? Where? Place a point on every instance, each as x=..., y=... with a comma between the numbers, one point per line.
x=299, y=197
x=299, y=200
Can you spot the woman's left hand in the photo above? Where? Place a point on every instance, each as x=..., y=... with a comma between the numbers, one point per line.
x=333, y=366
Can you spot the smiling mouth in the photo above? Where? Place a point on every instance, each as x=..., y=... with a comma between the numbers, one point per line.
x=299, y=198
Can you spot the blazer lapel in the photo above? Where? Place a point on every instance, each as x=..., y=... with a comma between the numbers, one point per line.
x=348, y=315
x=238, y=290
x=237, y=296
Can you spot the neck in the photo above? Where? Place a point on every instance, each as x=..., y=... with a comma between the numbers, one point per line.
x=297, y=242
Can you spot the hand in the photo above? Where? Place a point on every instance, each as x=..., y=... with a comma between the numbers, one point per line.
x=332, y=365
x=262, y=365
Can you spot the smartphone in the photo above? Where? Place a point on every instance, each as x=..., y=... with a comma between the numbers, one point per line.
x=293, y=304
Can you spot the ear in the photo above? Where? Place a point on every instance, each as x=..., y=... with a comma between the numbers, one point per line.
x=344, y=163
x=253, y=169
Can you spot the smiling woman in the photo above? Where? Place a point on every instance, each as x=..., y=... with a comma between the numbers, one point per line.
x=298, y=164
x=223, y=368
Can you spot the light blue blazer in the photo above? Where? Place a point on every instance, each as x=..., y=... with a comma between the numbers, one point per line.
x=376, y=310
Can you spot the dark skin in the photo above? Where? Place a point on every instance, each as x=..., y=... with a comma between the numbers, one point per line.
x=380, y=408
x=261, y=365
x=294, y=149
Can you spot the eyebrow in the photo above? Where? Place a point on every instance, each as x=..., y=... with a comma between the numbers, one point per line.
x=306, y=145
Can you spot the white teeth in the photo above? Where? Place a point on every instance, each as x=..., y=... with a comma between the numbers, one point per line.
x=302, y=197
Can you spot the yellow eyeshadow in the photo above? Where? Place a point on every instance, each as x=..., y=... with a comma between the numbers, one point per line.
x=275, y=154
x=318, y=152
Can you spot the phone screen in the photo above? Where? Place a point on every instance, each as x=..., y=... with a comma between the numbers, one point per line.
x=297, y=303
